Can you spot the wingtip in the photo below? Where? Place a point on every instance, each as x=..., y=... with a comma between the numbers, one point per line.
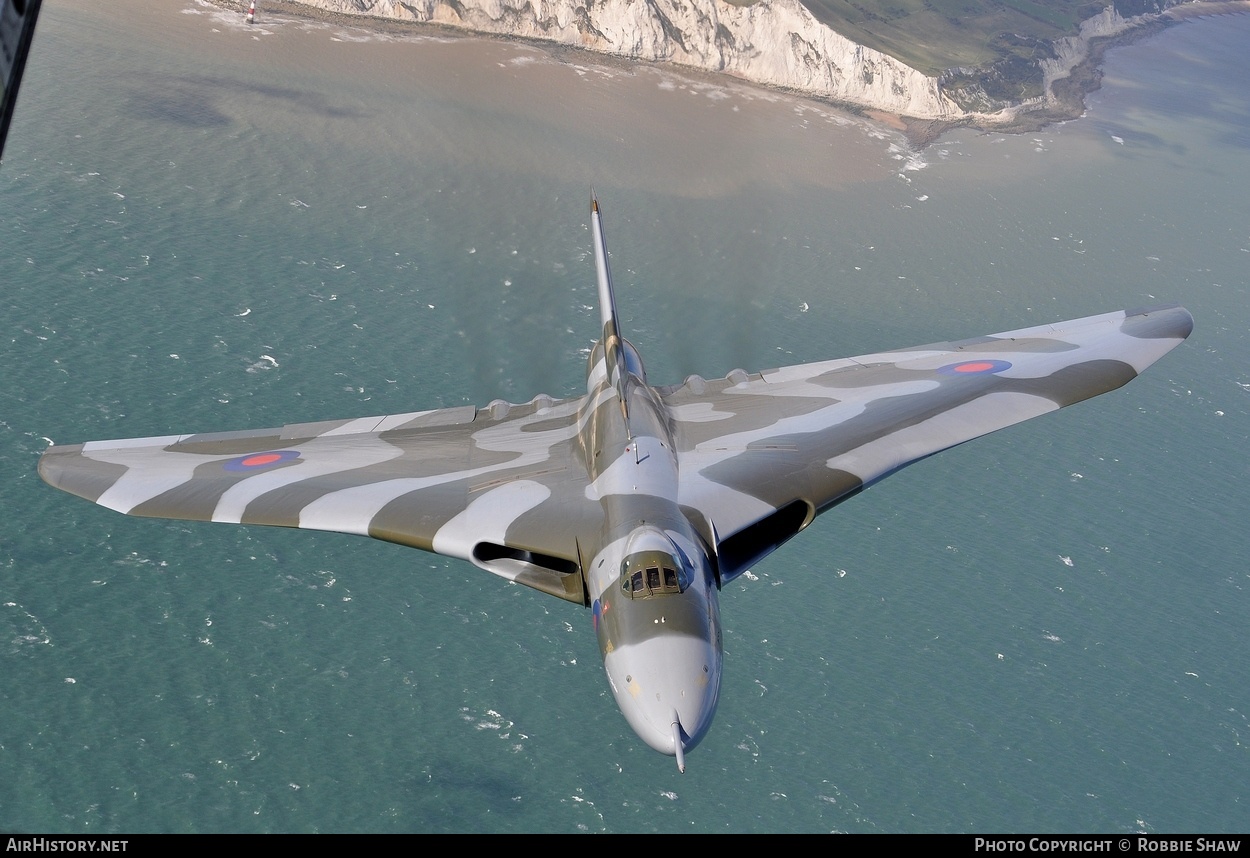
x=1160, y=320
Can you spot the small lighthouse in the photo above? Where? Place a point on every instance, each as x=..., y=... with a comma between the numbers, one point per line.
x=251, y=13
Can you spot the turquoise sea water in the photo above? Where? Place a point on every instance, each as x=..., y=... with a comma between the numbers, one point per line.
x=206, y=226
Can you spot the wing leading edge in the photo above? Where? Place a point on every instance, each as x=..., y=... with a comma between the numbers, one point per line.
x=761, y=455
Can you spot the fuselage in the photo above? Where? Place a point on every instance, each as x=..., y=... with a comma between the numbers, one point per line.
x=651, y=582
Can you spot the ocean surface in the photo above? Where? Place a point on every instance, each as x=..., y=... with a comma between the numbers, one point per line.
x=209, y=226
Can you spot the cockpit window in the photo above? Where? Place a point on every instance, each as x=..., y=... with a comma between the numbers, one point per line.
x=653, y=573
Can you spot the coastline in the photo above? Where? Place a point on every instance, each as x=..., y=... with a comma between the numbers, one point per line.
x=1066, y=99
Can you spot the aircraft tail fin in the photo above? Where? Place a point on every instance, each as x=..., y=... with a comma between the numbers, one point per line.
x=607, y=301
x=613, y=344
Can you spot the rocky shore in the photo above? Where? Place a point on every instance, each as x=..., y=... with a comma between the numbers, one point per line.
x=774, y=43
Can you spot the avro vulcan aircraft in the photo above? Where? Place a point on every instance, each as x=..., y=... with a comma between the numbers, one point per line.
x=636, y=501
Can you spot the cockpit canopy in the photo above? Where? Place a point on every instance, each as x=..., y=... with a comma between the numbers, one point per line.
x=653, y=566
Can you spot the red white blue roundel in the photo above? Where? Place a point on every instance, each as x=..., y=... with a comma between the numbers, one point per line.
x=260, y=461
x=974, y=367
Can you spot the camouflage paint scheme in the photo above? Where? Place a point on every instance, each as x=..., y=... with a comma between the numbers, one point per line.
x=636, y=501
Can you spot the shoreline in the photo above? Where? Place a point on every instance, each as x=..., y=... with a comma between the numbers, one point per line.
x=1065, y=103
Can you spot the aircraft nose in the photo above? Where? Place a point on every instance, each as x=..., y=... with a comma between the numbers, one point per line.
x=664, y=680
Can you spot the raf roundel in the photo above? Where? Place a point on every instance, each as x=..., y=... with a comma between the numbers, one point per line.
x=974, y=367
x=260, y=461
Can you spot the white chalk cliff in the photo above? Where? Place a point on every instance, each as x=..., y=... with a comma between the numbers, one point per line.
x=773, y=42
x=1072, y=50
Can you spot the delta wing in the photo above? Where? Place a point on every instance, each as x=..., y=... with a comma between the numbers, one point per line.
x=502, y=487
x=761, y=455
